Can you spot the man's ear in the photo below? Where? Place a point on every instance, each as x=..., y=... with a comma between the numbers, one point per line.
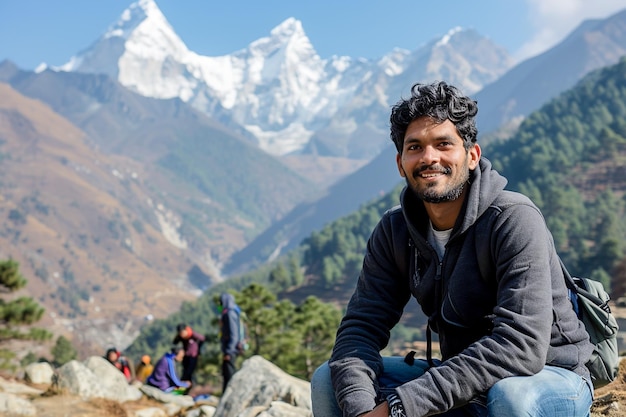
x=474, y=153
x=399, y=163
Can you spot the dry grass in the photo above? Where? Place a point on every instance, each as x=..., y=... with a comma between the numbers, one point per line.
x=610, y=400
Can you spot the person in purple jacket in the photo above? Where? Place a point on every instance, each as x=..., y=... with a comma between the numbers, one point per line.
x=164, y=374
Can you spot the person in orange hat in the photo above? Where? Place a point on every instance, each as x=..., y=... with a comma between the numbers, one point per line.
x=144, y=368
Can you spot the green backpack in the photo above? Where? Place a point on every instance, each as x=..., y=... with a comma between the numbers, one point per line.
x=591, y=304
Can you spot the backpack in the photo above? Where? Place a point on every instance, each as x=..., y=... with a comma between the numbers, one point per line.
x=591, y=304
x=242, y=344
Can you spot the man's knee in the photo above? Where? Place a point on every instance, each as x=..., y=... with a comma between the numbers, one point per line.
x=321, y=377
x=513, y=397
x=322, y=393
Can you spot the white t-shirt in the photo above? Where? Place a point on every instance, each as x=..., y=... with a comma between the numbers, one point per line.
x=438, y=239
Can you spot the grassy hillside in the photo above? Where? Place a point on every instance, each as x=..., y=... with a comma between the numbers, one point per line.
x=222, y=188
x=82, y=226
x=570, y=158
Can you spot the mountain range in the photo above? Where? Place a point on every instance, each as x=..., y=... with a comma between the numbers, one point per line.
x=278, y=90
x=502, y=106
x=183, y=168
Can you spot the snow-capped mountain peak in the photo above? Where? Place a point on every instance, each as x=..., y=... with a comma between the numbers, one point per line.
x=141, y=31
x=446, y=38
x=134, y=16
x=278, y=88
x=289, y=27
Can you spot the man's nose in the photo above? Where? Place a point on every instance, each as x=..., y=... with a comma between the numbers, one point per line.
x=430, y=155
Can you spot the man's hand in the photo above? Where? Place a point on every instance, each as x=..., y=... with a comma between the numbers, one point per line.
x=381, y=410
x=227, y=358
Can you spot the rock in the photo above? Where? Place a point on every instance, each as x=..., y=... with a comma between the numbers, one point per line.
x=96, y=378
x=114, y=382
x=12, y=387
x=184, y=401
x=260, y=383
x=150, y=412
x=77, y=379
x=39, y=373
x=12, y=405
x=172, y=409
x=203, y=411
x=252, y=411
x=281, y=409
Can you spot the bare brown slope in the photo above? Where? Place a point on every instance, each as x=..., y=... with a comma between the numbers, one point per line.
x=84, y=227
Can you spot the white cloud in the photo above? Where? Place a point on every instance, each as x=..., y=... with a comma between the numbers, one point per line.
x=553, y=20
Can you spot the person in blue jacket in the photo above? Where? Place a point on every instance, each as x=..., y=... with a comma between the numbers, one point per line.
x=229, y=329
x=164, y=374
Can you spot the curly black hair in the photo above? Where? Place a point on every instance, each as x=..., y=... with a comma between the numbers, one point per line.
x=440, y=101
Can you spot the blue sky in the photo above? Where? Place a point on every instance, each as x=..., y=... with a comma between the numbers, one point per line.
x=51, y=31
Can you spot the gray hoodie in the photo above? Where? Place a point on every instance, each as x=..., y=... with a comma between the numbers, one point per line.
x=229, y=324
x=497, y=300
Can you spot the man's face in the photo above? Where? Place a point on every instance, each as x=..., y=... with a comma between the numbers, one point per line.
x=434, y=162
x=183, y=333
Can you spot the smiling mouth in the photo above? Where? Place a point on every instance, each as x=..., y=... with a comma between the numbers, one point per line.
x=431, y=175
x=432, y=172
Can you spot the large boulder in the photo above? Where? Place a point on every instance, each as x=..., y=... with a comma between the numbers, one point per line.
x=262, y=386
x=77, y=379
x=113, y=381
x=39, y=373
x=96, y=378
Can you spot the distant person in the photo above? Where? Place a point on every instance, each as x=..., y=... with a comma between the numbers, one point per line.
x=192, y=343
x=482, y=265
x=164, y=374
x=230, y=335
x=116, y=359
x=143, y=369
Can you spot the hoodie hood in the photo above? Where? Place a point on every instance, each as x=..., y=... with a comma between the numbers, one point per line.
x=227, y=300
x=485, y=186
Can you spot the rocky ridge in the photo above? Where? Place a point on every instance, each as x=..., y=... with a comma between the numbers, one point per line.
x=94, y=388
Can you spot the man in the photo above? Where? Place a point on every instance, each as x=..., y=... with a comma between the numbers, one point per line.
x=229, y=328
x=483, y=267
x=164, y=374
x=192, y=343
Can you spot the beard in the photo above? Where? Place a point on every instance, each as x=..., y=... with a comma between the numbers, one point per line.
x=451, y=191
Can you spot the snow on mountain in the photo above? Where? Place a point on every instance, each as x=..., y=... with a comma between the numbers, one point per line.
x=278, y=88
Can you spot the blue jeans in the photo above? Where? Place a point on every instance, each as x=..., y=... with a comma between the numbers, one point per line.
x=554, y=392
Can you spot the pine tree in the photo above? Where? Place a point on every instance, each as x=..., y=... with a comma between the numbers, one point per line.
x=63, y=351
x=19, y=311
